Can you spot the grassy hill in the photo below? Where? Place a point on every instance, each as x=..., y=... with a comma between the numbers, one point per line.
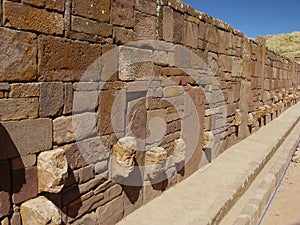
x=285, y=44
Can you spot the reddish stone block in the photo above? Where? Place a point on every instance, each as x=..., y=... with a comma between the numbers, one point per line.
x=24, y=184
x=122, y=35
x=28, y=18
x=122, y=13
x=93, y=9
x=191, y=34
x=58, y=5
x=178, y=28
x=144, y=26
x=146, y=6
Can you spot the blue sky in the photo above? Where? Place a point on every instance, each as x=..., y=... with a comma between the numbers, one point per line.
x=255, y=17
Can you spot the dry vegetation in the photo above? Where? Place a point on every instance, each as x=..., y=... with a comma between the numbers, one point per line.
x=285, y=44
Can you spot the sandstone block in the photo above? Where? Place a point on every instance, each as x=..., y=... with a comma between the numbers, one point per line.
x=51, y=99
x=63, y=130
x=68, y=53
x=24, y=184
x=168, y=24
x=251, y=119
x=84, y=125
x=25, y=17
x=144, y=26
x=18, y=108
x=89, y=219
x=122, y=13
x=122, y=35
x=191, y=34
x=179, y=150
x=91, y=27
x=97, y=10
x=208, y=140
x=18, y=55
x=5, y=186
x=146, y=6
x=122, y=158
x=40, y=211
x=52, y=168
x=238, y=117
x=171, y=91
x=24, y=90
x=23, y=162
x=84, y=174
x=21, y=138
x=57, y=5
x=85, y=101
x=68, y=98
x=178, y=28
x=4, y=86
x=155, y=163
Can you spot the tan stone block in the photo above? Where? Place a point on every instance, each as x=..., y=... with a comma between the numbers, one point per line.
x=91, y=27
x=18, y=55
x=172, y=91
x=122, y=13
x=178, y=28
x=18, y=108
x=28, y=18
x=68, y=98
x=98, y=10
x=146, y=6
x=68, y=53
x=191, y=34
x=144, y=26
x=122, y=35
x=24, y=90
x=63, y=131
x=168, y=22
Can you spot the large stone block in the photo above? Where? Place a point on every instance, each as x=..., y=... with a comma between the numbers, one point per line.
x=146, y=6
x=97, y=10
x=144, y=26
x=18, y=108
x=5, y=186
x=178, y=28
x=122, y=13
x=25, y=17
x=24, y=184
x=17, y=55
x=57, y=5
x=52, y=167
x=59, y=59
x=191, y=34
x=24, y=90
x=21, y=138
x=63, y=130
x=51, y=99
x=168, y=24
x=40, y=211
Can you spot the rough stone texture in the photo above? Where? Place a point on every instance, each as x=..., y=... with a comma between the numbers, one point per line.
x=146, y=6
x=63, y=131
x=112, y=212
x=22, y=16
x=85, y=174
x=191, y=34
x=89, y=219
x=98, y=10
x=144, y=27
x=5, y=186
x=85, y=101
x=68, y=53
x=52, y=167
x=179, y=150
x=155, y=163
x=122, y=158
x=51, y=99
x=168, y=24
x=18, y=108
x=24, y=184
x=18, y=55
x=21, y=138
x=23, y=162
x=123, y=13
x=24, y=90
x=84, y=125
x=91, y=27
x=122, y=35
x=68, y=98
x=48, y=4
x=238, y=117
x=40, y=211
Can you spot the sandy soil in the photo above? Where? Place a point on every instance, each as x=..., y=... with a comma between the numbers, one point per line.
x=285, y=208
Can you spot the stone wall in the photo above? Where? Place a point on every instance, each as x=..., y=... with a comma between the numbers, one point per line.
x=106, y=104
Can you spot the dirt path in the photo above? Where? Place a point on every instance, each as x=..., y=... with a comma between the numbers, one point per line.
x=285, y=208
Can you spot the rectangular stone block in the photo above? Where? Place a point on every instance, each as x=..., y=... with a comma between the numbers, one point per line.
x=68, y=98
x=21, y=138
x=178, y=28
x=122, y=35
x=191, y=31
x=122, y=13
x=25, y=17
x=93, y=9
x=57, y=5
x=24, y=184
x=59, y=59
x=87, y=26
x=146, y=6
x=5, y=186
x=63, y=130
x=17, y=55
x=24, y=90
x=18, y=108
x=51, y=99
x=168, y=22
x=144, y=26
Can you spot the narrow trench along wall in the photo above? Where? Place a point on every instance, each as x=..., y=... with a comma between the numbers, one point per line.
x=106, y=104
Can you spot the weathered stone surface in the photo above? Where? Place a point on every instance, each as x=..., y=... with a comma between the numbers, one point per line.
x=51, y=99
x=21, y=138
x=98, y=10
x=146, y=6
x=5, y=186
x=85, y=101
x=5, y=221
x=63, y=131
x=251, y=119
x=28, y=18
x=191, y=34
x=122, y=35
x=178, y=27
x=208, y=140
x=74, y=156
x=18, y=108
x=18, y=55
x=52, y=167
x=84, y=125
x=23, y=162
x=16, y=217
x=179, y=150
x=58, y=5
x=171, y=91
x=112, y=212
x=40, y=211
x=122, y=13
x=144, y=27
x=24, y=184
x=68, y=53
x=168, y=24
x=122, y=158
x=4, y=86
x=68, y=98
x=155, y=163
x=91, y=27
x=238, y=117
x=24, y=90
x=84, y=174
x=89, y=219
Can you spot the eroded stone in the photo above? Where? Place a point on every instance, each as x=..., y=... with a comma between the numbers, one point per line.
x=155, y=163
